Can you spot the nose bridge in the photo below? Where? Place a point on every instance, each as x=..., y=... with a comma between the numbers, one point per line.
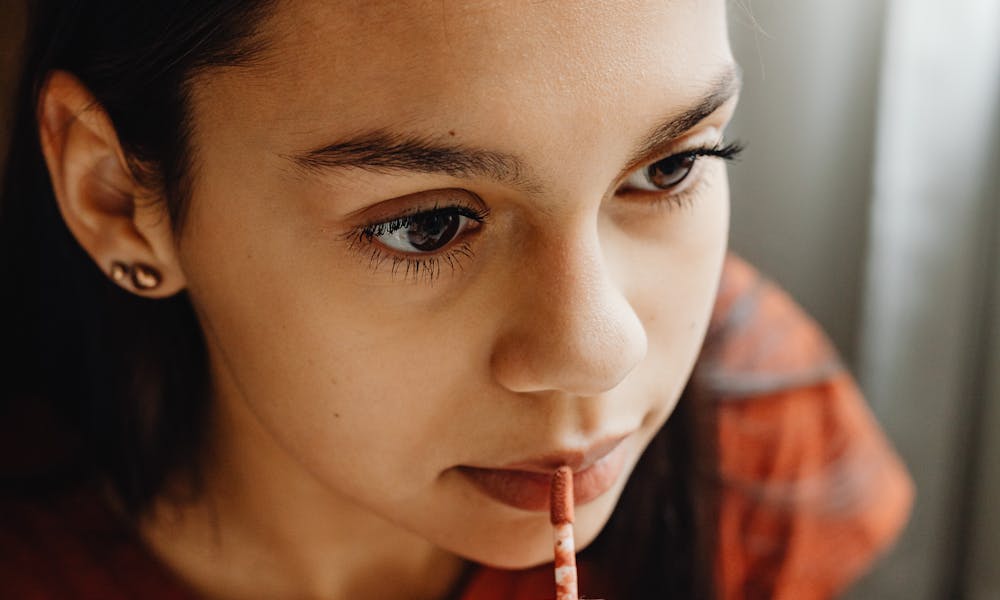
x=572, y=329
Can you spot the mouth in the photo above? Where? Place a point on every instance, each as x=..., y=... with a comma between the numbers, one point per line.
x=527, y=484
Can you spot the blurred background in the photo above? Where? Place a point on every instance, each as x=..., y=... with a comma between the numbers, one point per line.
x=871, y=191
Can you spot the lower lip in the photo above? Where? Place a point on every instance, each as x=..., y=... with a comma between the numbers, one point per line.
x=530, y=491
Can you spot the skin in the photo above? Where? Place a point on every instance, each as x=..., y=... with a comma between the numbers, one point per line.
x=344, y=397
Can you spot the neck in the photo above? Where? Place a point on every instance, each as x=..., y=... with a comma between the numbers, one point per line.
x=262, y=527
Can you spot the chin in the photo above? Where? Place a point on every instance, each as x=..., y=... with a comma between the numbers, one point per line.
x=513, y=562
x=516, y=549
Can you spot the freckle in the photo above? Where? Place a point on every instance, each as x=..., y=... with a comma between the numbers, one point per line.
x=336, y=415
x=452, y=132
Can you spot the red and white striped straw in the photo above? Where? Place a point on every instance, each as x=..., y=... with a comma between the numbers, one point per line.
x=561, y=515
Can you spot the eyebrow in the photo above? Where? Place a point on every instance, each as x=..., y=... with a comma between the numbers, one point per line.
x=389, y=152
x=722, y=89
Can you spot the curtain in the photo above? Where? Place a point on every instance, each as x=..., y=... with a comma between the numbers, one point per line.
x=930, y=329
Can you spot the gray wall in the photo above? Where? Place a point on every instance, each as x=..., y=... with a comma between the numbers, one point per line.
x=801, y=194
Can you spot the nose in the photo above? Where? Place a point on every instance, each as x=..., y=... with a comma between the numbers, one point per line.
x=570, y=328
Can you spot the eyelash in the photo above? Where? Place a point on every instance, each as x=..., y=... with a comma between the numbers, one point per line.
x=428, y=266
x=685, y=198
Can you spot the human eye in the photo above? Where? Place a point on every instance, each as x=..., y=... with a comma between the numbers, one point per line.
x=673, y=180
x=420, y=242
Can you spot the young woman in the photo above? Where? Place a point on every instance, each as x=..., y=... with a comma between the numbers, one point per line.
x=319, y=293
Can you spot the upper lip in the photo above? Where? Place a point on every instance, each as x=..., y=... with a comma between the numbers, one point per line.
x=577, y=459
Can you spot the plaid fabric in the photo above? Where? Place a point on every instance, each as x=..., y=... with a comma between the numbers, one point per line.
x=812, y=490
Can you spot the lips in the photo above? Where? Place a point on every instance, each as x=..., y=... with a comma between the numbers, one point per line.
x=526, y=484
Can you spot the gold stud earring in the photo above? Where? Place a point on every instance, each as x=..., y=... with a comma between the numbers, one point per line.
x=119, y=271
x=145, y=277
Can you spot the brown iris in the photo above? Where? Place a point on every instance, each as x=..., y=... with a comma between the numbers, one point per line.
x=432, y=231
x=670, y=171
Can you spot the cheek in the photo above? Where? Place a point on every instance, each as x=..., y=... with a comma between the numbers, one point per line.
x=675, y=266
x=347, y=386
x=672, y=279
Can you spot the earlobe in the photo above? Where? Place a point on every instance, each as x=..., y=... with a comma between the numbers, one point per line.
x=103, y=204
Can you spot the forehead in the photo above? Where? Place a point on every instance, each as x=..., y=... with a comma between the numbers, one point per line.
x=511, y=73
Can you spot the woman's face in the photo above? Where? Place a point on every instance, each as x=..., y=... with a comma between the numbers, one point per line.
x=553, y=299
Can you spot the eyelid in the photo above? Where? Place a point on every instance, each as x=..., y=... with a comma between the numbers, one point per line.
x=709, y=130
x=365, y=233
x=678, y=187
x=726, y=151
x=373, y=233
x=415, y=203
x=428, y=265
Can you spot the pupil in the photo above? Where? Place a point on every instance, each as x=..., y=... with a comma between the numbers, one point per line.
x=433, y=231
x=670, y=172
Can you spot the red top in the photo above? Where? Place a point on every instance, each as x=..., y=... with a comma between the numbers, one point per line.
x=811, y=494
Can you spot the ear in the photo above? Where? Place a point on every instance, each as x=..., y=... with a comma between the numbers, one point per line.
x=114, y=218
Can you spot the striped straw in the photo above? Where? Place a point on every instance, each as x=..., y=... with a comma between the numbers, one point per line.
x=561, y=515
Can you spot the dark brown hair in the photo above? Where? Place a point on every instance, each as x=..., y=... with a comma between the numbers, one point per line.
x=127, y=377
